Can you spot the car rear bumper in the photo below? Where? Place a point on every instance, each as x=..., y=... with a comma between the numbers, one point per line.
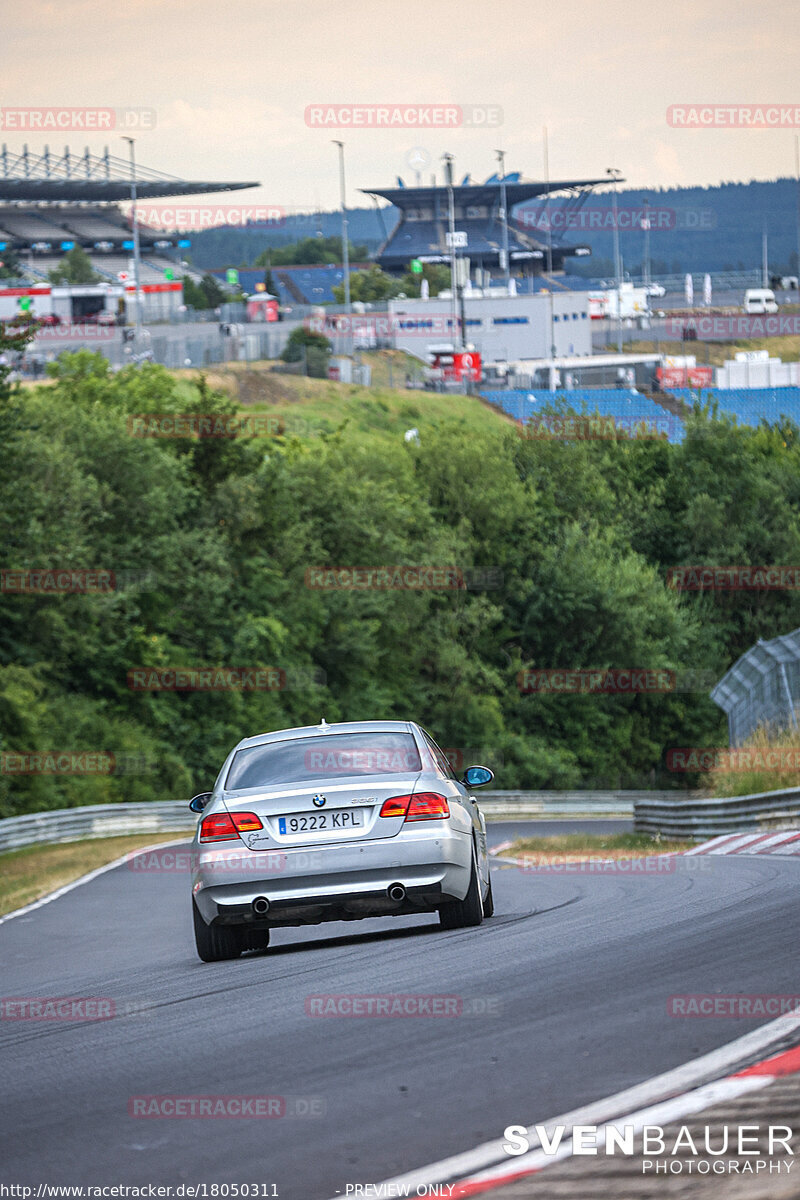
x=345, y=881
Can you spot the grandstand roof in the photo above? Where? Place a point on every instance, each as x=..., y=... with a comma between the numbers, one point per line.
x=480, y=193
x=91, y=177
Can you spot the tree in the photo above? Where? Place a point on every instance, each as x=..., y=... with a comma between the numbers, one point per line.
x=310, y=347
x=369, y=286
x=437, y=275
x=14, y=337
x=193, y=295
x=208, y=293
x=269, y=283
x=10, y=267
x=309, y=251
x=213, y=291
x=75, y=267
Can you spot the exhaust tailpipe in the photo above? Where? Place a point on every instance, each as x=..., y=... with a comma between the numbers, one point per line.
x=397, y=892
x=260, y=906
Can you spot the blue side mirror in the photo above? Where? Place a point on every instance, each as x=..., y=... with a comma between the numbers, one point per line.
x=477, y=776
x=199, y=802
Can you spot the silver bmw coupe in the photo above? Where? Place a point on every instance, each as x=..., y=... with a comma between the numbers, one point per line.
x=336, y=823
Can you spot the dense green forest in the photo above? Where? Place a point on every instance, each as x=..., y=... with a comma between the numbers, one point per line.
x=565, y=549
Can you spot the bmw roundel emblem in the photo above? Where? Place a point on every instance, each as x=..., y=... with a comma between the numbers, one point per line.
x=318, y=801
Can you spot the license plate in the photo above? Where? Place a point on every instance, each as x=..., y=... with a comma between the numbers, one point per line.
x=337, y=818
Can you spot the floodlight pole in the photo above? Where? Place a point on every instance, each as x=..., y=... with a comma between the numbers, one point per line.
x=546, y=146
x=345, y=235
x=614, y=173
x=501, y=158
x=797, y=173
x=451, y=220
x=646, y=265
x=135, y=225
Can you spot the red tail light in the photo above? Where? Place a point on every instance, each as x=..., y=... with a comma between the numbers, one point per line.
x=425, y=806
x=397, y=806
x=246, y=822
x=224, y=827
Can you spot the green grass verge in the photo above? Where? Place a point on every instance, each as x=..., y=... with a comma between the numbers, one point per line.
x=35, y=871
x=314, y=407
x=605, y=845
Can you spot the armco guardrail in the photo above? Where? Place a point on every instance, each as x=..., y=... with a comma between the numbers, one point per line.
x=706, y=818
x=94, y=821
x=563, y=804
x=173, y=816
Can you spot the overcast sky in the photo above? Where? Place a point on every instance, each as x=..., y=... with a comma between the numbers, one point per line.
x=230, y=85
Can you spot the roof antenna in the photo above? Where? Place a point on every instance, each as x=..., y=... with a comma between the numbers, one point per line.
x=324, y=724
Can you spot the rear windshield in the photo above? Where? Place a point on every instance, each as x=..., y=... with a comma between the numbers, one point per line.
x=323, y=757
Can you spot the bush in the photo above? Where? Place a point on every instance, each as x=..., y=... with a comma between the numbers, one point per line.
x=301, y=342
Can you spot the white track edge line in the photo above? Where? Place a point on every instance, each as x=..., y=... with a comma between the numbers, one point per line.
x=69, y=887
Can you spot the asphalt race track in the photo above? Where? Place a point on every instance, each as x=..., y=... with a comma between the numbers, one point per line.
x=579, y=967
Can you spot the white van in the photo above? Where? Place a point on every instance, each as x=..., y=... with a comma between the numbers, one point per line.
x=760, y=300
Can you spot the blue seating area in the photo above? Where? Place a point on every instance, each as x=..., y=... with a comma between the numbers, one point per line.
x=630, y=411
x=249, y=279
x=750, y=406
x=411, y=239
x=314, y=283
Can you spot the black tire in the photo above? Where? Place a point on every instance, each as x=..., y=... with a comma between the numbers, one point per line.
x=488, y=903
x=215, y=942
x=460, y=914
x=256, y=939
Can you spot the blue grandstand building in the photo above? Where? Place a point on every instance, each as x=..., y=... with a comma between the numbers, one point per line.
x=421, y=230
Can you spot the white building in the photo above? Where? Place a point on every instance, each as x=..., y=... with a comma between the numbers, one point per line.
x=501, y=328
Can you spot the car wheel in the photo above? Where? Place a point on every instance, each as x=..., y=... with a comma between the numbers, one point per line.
x=488, y=903
x=215, y=942
x=459, y=914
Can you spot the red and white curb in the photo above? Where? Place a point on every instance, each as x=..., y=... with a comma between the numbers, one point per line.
x=751, y=1079
x=786, y=843
x=658, y=1101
